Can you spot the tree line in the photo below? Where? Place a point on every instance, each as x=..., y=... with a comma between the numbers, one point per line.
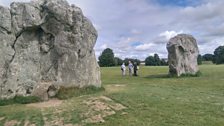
x=216, y=58
x=107, y=59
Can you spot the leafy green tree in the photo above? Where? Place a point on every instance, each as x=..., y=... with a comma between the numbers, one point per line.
x=150, y=61
x=219, y=55
x=208, y=57
x=126, y=61
x=118, y=61
x=157, y=60
x=106, y=59
x=137, y=61
x=164, y=62
x=199, y=59
x=154, y=61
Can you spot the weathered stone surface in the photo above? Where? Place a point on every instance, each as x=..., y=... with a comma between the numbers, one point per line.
x=183, y=53
x=45, y=90
x=45, y=43
x=5, y=20
x=24, y=16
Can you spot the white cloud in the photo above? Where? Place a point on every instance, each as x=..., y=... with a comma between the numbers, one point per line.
x=102, y=47
x=122, y=22
x=169, y=34
x=144, y=47
x=135, y=32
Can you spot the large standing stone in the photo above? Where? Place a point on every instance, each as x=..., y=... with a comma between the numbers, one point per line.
x=6, y=51
x=183, y=53
x=45, y=44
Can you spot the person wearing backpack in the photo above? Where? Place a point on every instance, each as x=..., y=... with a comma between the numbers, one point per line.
x=136, y=69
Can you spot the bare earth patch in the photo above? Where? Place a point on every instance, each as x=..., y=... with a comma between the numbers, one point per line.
x=11, y=123
x=115, y=88
x=53, y=104
x=48, y=104
x=99, y=108
x=55, y=122
x=27, y=123
x=2, y=118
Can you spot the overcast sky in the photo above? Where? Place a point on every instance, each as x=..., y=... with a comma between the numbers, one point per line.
x=139, y=28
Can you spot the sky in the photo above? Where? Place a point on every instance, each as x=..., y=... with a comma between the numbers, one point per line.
x=139, y=28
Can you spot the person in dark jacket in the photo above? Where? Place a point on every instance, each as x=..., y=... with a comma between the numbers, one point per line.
x=135, y=69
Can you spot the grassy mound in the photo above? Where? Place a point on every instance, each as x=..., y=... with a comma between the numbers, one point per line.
x=65, y=93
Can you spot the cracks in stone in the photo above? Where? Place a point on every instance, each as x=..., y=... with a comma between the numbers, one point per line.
x=47, y=71
x=48, y=41
x=51, y=67
x=13, y=46
x=7, y=64
x=79, y=53
x=4, y=29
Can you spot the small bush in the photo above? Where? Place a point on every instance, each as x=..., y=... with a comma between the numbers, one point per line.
x=198, y=74
x=26, y=100
x=19, y=100
x=6, y=102
x=65, y=93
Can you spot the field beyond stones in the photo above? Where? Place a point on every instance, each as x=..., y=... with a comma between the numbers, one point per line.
x=151, y=99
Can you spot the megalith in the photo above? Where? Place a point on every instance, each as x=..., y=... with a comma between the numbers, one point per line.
x=182, y=55
x=45, y=44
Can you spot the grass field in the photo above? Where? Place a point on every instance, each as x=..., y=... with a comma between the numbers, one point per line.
x=151, y=99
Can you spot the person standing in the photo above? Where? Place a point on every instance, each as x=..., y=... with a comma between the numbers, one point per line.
x=130, y=68
x=123, y=69
x=135, y=69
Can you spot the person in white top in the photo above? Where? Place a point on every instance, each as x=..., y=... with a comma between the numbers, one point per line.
x=123, y=69
x=130, y=68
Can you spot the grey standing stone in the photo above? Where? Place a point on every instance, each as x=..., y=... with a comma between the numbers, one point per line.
x=46, y=44
x=183, y=53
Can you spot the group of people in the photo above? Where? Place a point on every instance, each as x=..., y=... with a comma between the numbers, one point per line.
x=132, y=69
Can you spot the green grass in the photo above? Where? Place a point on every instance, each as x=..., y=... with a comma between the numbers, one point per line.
x=21, y=114
x=20, y=100
x=66, y=93
x=207, y=62
x=152, y=99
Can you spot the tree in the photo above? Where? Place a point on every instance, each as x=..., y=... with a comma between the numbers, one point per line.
x=154, y=61
x=106, y=59
x=199, y=59
x=208, y=57
x=157, y=60
x=164, y=62
x=219, y=55
x=126, y=61
x=150, y=61
x=137, y=61
x=118, y=61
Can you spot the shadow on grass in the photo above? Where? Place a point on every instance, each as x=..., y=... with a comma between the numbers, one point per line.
x=198, y=74
x=158, y=76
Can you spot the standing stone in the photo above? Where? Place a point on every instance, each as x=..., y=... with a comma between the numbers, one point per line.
x=6, y=51
x=45, y=44
x=182, y=55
